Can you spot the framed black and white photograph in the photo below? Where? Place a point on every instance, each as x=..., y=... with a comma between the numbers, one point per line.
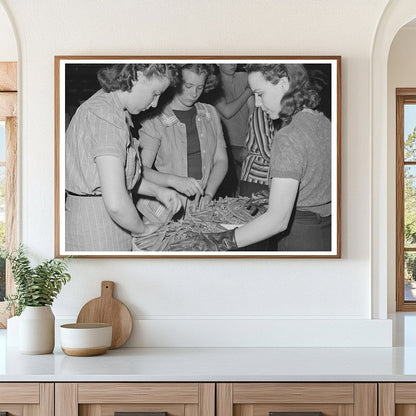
x=198, y=156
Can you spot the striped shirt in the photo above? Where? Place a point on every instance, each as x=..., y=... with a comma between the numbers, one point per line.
x=258, y=144
x=98, y=128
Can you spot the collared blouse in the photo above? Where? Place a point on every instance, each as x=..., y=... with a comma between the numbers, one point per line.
x=166, y=135
x=98, y=128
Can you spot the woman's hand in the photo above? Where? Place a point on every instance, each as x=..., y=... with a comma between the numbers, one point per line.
x=199, y=203
x=169, y=198
x=205, y=201
x=186, y=186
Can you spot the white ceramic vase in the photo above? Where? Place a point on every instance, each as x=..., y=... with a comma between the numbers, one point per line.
x=12, y=334
x=37, y=330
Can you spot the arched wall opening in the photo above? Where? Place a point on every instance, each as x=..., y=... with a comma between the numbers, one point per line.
x=401, y=74
x=396, y=15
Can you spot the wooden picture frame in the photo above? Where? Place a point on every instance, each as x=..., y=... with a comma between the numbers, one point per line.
x=76, y=81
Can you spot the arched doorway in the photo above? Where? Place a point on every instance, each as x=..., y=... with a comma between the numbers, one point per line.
x=397, y=14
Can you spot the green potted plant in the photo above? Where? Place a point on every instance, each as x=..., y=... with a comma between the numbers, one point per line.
x=36, y=289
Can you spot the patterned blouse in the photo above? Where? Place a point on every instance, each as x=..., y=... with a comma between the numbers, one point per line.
x=258, y=144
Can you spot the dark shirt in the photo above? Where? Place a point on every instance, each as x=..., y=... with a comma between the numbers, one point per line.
x=188, y=118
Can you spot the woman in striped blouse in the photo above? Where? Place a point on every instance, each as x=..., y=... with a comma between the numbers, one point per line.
x=255, y=169
x=102, y=166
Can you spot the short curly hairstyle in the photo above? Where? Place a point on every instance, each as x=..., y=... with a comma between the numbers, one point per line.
x=198, y=69
x=302, y=93
x=122, y=76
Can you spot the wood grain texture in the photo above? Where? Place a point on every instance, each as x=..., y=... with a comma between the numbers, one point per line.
x=386, y=399
x=66, y=399
x=109, y=310
x=110, y=409
x=47, y=399
x=224, y=399
x=11, y=207
x=207, y=399
x=405, y=91
x=405, y=410
x=245, y=410
x=13, y=409
x=365, y=399
x=19, y=393
x=190, y=410
x=262, y=410
x=293, y=393
x=91, y=410
x=8, y=105
x=84, y=352
x=138, y=393
x=11, y=196
x=8, y=76
x=346, y=410
x=405, y=393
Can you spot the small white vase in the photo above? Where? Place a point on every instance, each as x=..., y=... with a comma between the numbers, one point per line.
x=12, y=334
x=37, y=330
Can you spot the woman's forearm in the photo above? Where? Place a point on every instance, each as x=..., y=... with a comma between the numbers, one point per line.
x=117, y=200
x=217, y=175
x=282, y=198
x=259, y=229
x=153, y=176
x=125, y=214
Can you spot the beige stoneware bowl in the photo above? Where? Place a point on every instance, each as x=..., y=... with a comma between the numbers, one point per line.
x=83, y=340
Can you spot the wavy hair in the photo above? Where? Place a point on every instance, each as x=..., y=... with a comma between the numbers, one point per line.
x=198, y=69
x=122, y=76
x=301, y=93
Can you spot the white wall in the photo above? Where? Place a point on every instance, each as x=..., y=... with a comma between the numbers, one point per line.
x=212, y=301
x=8, y=45
x=401, y=74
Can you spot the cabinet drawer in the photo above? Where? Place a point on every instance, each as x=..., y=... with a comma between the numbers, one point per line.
x=20, y=399
x=397, y=399
x=309, y=399
x=107, y=399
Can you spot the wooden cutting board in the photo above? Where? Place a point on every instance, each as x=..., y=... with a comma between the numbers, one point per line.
x=108, y=310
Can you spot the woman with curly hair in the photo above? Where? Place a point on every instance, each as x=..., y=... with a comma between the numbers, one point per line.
x=103, y=168
x=300, y=167
x=183, y=147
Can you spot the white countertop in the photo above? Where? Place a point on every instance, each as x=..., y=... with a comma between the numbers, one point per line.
x=221, y=364
x=215, y=364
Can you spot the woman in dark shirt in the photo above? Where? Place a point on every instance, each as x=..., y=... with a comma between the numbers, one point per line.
x=185, y=143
